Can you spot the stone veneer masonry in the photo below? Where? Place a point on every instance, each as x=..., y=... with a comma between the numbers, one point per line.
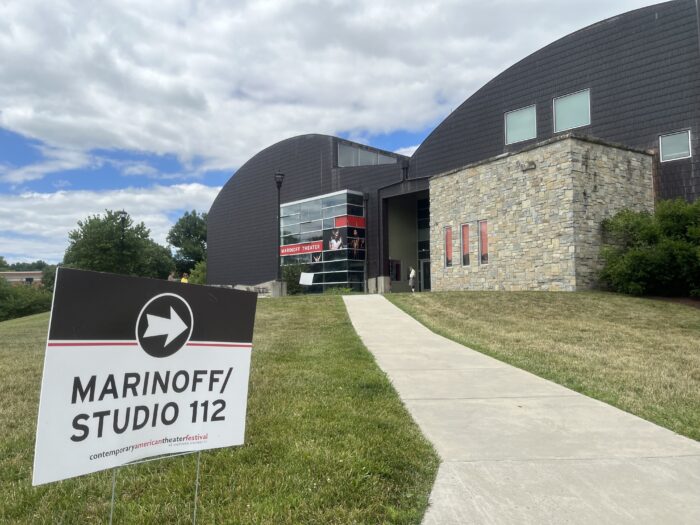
x=544, y=207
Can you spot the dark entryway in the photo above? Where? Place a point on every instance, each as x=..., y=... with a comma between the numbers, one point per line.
x=408, y=236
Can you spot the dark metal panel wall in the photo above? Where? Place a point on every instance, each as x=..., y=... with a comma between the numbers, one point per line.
x=242, y=221
x=643, y=70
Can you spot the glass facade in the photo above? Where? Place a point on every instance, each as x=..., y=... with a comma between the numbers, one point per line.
x=327, y=235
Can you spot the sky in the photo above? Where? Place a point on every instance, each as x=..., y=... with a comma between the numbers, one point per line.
x=151, y=107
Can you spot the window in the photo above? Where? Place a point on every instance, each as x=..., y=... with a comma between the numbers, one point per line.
x=483, y=242
x=448, y=246
x=521, y=124
x=572, y=111
x=675, y=146
x=350, y=155
x=465, y=245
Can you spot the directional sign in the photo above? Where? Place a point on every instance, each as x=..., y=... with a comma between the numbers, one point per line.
x=137, y=368
x=163, y=316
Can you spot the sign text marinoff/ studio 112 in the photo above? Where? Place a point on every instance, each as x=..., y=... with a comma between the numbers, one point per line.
x=137, y=368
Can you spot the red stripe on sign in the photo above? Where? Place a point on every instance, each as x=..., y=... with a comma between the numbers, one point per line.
x=224, y=345
x=92, y=343
x=350, y=221
x=308, y=247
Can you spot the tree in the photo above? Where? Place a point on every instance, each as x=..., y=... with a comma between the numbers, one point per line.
x=199, y=273
x=113, y=243
x=3, y=263
x=48, y=277
x=29, y=266
x=189, y=236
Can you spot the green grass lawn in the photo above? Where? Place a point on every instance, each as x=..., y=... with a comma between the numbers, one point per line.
x=640, y=355
x=327, y=439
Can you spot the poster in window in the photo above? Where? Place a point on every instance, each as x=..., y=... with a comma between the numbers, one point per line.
x=333, y=239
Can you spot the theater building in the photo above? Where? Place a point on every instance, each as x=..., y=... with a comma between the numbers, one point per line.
x=508, y=192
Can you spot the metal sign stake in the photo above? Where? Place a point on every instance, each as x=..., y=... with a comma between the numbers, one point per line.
x=114, y=483
x=196, y=490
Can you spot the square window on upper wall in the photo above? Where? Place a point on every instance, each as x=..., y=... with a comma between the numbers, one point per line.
x=675, y=146
x=572, y=111
x=521, y=124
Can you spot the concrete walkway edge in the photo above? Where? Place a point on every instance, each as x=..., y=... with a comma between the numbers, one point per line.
x=516, y=448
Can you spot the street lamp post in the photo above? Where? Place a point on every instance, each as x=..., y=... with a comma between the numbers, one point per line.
x=122, y=221
x=279, y=178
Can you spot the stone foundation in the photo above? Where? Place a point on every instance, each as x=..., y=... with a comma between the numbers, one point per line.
x=544, y=207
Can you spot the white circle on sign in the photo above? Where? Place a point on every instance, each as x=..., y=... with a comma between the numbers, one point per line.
x=164, y=325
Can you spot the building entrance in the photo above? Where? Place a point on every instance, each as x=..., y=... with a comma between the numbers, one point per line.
x=408, y=236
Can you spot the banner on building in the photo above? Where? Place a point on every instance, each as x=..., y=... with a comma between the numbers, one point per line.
x=307, y=247
x=137, y=368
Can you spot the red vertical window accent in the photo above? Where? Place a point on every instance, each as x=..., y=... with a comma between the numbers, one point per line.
x=483, y=242
x=465, y=245
x=448, y=246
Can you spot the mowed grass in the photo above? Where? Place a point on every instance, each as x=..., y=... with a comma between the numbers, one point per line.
x=640, y=355
x=327, y=439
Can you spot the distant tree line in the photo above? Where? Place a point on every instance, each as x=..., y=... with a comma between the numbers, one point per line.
x=113, y=243
x=22, y=266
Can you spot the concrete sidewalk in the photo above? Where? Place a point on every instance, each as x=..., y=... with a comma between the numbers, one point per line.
x=516, y=448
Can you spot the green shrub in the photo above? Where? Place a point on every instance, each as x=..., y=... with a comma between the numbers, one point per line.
x=338, y=290
x=654, y=254
x=18, y=301
x=291, y=274
x=199, y=273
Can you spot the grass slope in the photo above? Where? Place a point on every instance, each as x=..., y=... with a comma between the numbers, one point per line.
x=327, y=439
x=640, y=355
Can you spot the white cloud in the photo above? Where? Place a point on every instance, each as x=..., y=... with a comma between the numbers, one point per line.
x=55, y=160
x=408, y=150
x=36, y=225
x=220, y=80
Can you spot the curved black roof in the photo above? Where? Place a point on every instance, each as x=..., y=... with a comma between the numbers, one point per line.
x=242, y=221
x=643, y=72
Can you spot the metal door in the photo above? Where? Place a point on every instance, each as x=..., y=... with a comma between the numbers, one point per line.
x=424, y=266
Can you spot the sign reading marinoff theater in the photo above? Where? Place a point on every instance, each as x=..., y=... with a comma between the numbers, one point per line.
x=137, y=368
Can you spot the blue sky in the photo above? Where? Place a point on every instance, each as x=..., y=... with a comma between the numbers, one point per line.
x=152, y=106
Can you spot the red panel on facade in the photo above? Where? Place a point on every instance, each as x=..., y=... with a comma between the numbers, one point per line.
x=448, y=246
x=350, y=221
x=307, y=247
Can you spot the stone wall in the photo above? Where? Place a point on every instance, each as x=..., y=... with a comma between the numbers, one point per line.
x=544, y=207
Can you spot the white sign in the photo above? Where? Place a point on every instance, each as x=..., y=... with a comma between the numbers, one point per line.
x=108, y=402
x=306, y=278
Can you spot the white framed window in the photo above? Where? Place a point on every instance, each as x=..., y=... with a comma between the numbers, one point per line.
x=521, y=124
x=572, y=111
x=675, y=146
